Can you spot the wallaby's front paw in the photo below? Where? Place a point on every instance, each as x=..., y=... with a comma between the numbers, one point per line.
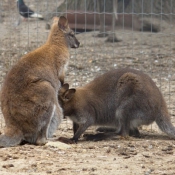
x=75, y=140
x=134, y=133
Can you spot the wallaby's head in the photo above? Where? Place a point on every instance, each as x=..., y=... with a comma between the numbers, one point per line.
x=65, y=98
x=65, y=94
x=61, y=24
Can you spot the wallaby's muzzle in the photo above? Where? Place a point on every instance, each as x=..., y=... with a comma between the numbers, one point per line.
x=76, y=45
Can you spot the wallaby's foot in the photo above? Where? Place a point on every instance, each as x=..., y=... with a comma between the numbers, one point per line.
x=12, y=137
x=7, y=141
x=124, y=132
x=135, y=133
x=112, y=38
x=105, y=129
x=101, y=35
x=41, y=141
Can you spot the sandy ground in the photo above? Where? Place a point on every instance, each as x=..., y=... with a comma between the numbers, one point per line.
x=153, y=153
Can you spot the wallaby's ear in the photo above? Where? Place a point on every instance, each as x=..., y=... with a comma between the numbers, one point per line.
x=65, y=86
x=63, y=23
x=63, y=89
x=69, y=94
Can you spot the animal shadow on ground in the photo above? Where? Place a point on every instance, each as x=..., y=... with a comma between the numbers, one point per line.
x=114, y=136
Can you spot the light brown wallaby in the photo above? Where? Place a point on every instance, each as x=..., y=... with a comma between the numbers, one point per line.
x=123, y=98
x=29, y=94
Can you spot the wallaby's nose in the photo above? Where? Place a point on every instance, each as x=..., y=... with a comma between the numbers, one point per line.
x=77, y=44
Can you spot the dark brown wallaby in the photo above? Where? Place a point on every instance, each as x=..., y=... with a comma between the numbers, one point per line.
x=123, y=99
x=29, y=94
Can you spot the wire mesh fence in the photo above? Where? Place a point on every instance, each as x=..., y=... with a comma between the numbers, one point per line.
x=144, y=29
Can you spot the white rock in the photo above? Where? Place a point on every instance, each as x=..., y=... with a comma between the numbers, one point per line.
x=58, y=144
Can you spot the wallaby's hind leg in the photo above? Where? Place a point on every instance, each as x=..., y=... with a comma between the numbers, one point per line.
x=53, y=125
x=75, y=127
x=124, y=131
x=55, y=121
x=45, y=123
x=122, y=115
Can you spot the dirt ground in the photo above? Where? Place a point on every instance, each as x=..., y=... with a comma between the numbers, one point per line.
x=153, y=153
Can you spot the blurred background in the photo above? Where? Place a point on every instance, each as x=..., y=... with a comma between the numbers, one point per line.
x=138, y=34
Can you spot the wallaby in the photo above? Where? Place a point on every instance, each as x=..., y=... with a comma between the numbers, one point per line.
x=122, y=98
x=29, y=93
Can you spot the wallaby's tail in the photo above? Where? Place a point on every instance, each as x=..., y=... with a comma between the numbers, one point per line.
x=11, y=138
x=165, y=125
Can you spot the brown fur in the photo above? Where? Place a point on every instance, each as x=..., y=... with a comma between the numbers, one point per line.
x=123, y=99
x=29, y=93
